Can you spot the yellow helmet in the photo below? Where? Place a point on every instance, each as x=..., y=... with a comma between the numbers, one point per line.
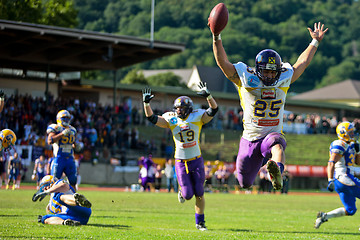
x=8, y=138
x=63, y=118
x=46, y=181
x=345, y=131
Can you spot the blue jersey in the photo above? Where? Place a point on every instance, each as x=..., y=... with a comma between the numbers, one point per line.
x=63, y=147
x=344, y=167
x=54, y=204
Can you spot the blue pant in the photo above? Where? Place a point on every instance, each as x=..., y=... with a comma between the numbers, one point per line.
x=65, y=165
x=348, y=195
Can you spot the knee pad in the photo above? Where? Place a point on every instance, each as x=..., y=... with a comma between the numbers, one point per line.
x=351, y=211
x=269, y=141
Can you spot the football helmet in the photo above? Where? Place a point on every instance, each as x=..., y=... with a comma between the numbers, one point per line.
x=183, y=106
x=268, y=59
x=46, y=181
x=8, y=138
x=345, y=131
x=63, y=118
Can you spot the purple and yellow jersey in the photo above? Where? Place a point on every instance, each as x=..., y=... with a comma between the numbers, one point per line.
x=186, y=133
x=63, y=146
x=54, y=206
x=263, y=105
x=346, y=162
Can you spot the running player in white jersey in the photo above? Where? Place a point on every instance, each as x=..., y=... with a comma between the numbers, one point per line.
x=62, y=137
x=185, y=124
x=341, y=171
x=262, y=92
x=7, y=149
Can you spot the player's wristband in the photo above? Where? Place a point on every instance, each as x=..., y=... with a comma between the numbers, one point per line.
x=314, y=42
x=330, y=179
x=216, y=37
x=209, y=97
x=2, y=99
x=146, y=104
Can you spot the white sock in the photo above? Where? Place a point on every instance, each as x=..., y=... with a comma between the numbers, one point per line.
x=339, y=212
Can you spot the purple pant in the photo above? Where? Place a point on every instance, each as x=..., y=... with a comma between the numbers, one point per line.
x=251, y=156
x=191, y=177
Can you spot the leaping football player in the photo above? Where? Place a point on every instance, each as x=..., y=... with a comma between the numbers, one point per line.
x=66, y=207
x=341, y=171
x=263, y=91
x=185, y=124
x=62, y=137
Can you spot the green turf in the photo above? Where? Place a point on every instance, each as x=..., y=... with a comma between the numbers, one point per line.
x=127, y=215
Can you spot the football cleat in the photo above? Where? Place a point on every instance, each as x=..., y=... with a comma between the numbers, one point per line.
x=320, y=218
x=181, y=198
x=201, y=226
x=39, y=218
x=70, y=222
x=81, y=200
x=275, y=174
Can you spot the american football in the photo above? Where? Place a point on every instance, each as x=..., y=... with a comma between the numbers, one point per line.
x=218, y=18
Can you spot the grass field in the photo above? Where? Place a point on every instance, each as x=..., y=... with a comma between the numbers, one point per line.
x=129, y=215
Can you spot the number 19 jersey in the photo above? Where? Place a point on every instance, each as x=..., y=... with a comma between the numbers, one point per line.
x=186, y=133
x=263, y=105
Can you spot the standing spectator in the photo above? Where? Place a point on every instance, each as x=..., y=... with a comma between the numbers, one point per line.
x=185, y=124
x=208, y=176
x=264, y=183
x=334, y=123
x=158, y=177
x=169, y=173
x=286, y=180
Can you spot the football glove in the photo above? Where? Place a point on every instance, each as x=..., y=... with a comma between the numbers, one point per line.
x=204, y=91
x=146, y=92
x=66, y=132
x=331, y=185
x=39, y=196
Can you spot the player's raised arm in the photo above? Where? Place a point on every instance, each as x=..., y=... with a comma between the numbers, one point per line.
x=155, y=119
x=217, y=21
x=213, y=107
x=305, y=58
x=2, y=100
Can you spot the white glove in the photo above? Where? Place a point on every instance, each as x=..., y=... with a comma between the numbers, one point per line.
x=66, y=132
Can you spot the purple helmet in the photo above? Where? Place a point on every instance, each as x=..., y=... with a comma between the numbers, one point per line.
x=185, y=104
x=268, y=59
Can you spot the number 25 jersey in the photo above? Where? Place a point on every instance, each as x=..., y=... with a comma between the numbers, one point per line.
x=186, y=133
x=263, y=105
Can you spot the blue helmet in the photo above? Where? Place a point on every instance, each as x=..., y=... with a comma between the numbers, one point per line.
x=185, y=105
x=268, y=59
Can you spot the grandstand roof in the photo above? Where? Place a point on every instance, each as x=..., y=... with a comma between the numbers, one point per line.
x=347, y=92
x=36, y=47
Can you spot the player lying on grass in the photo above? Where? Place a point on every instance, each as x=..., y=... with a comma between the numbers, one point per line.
x=65, y=206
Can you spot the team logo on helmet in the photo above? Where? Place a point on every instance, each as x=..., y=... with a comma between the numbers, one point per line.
x=46, y=181
x=345, y=131
x=185, y=106
x=63, y=118
x=268, y=59
x=8, y=138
